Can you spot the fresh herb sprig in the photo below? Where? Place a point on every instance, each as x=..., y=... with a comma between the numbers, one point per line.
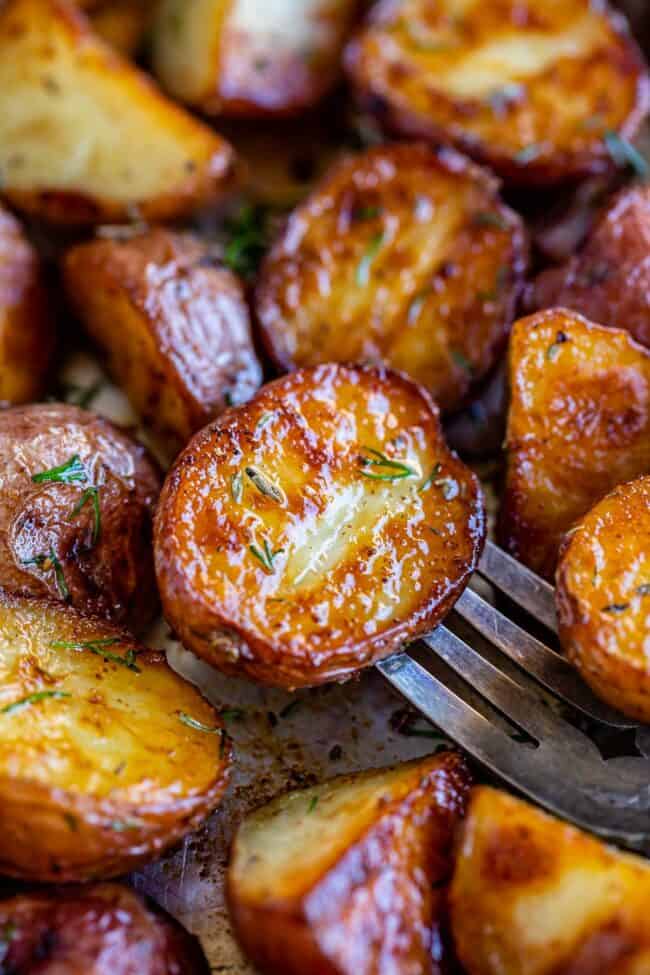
x=50, y=561
x=265, y=556
x=98, y=647
x=25, y=702
x=384, y=469
x=70, y=472
x=90, y=494
x=365, y=264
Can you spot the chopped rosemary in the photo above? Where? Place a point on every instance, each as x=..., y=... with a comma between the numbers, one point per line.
x=265, y=555
x=625, y=155
x=553, y=350
x=90, y=494
x=16, y=706
x=248, y=239
x=312, y=804
x=71, y=472
x=237, y=487
x=97, y=647
x=265, y=486
x=365, y=264
x=263, y=421
x=447, y=485
x=48, y=562
x=191, y=722
x=431, y=478
x=378, y=459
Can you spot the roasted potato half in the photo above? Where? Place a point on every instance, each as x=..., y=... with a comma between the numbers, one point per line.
x=543, y=91
x=107, y=756
x=26, y=321
x=578, y=425
x=349, y=877
x=312, y=531
x=84, y=136
x=104, y=929
x=603, y=598
x=223, y=57
x=609, y=281
x=402, y=255
x=172, y=322
x=531, y=895
x=76, y=507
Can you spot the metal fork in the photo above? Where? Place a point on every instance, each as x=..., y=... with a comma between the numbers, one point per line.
x=553, y=761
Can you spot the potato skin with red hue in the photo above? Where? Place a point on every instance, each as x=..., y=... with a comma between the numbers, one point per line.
x=104, y=929
x=578, y=425
x=402, y=255
x=173, y=323
x=373, y=901
x=113, y=577
x=609, y=280
x=287, y=553
x=603, y=598
x=429, y=69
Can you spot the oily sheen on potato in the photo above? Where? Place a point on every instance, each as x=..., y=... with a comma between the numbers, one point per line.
x=533, y=896
x=84, y=136
x=402, y=255
x=578, y=425
x=102, y=929
x=107, y=756
x=76, y=509
x=173, y=324
x=543, y=91
x=603, y=598
x=349, y=877
x=316, y=528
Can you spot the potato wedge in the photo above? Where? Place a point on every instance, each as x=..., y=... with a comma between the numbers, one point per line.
x=543, y=91
x=405, y=256
x=578, y=425
x=348, y=877
x=174, y=326
x=312, y=531
x=84, y=136
x=107, y=756
x=105, y=929
x=531, y=895
x=609, y=281
x=225, y=58
x=27, y=334
x=603, y=598
x=76, y=507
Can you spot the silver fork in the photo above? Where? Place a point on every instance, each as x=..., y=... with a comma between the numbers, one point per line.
x=468, y=690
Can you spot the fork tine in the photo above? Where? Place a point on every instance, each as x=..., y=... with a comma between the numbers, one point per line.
x=547, y=666
x=525, y=588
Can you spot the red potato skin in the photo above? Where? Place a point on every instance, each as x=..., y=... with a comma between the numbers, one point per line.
x=113, y=578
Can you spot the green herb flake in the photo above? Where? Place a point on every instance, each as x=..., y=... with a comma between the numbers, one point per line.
x=616, y=608
x=312, y=805
x=485, y=218
x=365, y=264
x=553, y=350
x=25, y=702
x=237, y=487
x=90, y=494
x=248, y=240
x=431, y=478
x=448, y=485
x=82, y=396
x=71, y=472
x=263, y=422
x=265, y=486
x=98, y=647
x=265, y=556
x=47, y=562
x=389, y=470
x=625, y=155
x=191, y=722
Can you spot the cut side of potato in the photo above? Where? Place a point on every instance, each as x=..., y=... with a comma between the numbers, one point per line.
x=173, y=323
x=531, y=895
x=84, y=136
x=603, y=598
x=104, y=929
x=578, y=425
x=226, y=58
x=313, y=530
x=609, y=281
x=404, y=256
x=107, y=757
x=349, y=877
x=543, y=90
x=27, y=334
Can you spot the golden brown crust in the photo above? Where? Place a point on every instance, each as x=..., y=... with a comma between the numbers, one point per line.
x=609, y=281
x=53, y=541
x=107, y=756
x=603, y=598
x=402, y=255
x=288, y=551
x=27, y=334
x=531, y=895
x=105, y=929
x=173, y=323
x=368, y=897
x=500, y=81
x=140, y=152
x=578, y=425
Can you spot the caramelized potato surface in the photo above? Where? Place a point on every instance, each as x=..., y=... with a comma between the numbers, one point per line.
x=26, y=322
x=230, y=57
x=603, y=598
x=107, y=756
x=609, y=281
x=402, y=255
x=84, y=136
x=173, y=324
x=578, y=425
x=76, y=507
x=541, y=90
x=531, y=895
x=348, y=877
x=313, y=530
x=105, y=929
